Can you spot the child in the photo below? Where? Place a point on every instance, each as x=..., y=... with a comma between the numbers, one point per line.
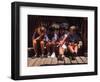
x=38, y=38
x=73, y=41
x=63, y=34
x=52, y=39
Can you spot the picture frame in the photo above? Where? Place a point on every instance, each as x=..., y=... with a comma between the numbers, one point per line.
x=21, y=14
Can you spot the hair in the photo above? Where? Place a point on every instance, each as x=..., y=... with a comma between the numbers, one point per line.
x=41, y=29
x=73, y=28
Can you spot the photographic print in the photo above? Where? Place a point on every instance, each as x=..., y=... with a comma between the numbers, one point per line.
x=53, y=40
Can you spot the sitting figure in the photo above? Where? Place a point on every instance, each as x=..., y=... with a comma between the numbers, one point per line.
x=73, y=41
x=52, y=40
x=38, y=39
x=63, y=34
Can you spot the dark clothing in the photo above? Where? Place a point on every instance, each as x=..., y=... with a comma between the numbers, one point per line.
x=50, y=36
x=73, y=38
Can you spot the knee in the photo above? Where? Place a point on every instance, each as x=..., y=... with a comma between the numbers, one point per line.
x=60, y=49
x=42, y=42
x=53, y=43
x=48, y=44
x=69, y=46
x=34, y=42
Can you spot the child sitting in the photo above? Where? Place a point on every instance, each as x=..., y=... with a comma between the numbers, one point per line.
x=73, y=41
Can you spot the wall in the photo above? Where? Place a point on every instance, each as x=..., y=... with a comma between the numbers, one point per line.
x=5, y=39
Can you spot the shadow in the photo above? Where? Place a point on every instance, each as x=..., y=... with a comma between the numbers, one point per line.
x=63, y=64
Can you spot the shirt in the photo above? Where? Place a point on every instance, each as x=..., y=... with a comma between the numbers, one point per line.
x=73, y=38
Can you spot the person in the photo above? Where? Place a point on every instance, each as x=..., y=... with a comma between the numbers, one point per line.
x=73, y=41
x=38, y=38
x=55, y=41
x=62, y=42
x=52, y=39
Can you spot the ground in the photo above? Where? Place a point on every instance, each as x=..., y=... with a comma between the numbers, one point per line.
x=38, y=61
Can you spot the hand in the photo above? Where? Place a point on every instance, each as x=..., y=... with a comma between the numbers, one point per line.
x=61, y=43
x=37, y=38
x=80, y=44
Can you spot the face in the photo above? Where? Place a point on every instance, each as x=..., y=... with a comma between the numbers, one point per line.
x=72, y=30
x=42, y=30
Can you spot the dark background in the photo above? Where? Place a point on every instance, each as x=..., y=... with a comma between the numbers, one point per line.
x=35, y=20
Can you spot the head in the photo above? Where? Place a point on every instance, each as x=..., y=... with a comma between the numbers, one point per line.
x=72, y=29
x=56, y=31
x=55, y=27
x=41, y=30
x=61, y=30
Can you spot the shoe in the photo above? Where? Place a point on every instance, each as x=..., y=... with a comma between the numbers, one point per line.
x=63, y=57
x=74, y=54
x=59, y=58
x=48, y=55
x=53, y=55
x=35, y=56
x=42, y=55
x=70, y=57
x=73, y=58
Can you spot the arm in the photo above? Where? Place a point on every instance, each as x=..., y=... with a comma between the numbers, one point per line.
x=62, y=41
x=39, y=37
x=80, y=44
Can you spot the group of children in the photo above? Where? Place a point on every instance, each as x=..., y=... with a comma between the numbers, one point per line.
x=56, y=40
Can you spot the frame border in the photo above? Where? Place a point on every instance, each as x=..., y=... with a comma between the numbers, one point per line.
x=15, y=41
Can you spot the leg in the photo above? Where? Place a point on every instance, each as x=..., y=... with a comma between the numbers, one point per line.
x=42, y=47
x=61, y=53
x=76, y=49
x=70, y=47
x=35, y=47
x=72, y=52
x=48, y=46
x=53, y=46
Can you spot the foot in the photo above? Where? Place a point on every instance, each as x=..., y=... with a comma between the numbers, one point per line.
x=35, y=55
x=53, y=55
x=70, y=57
x=73, y=58
x=42, y=55
x=61, y=57
x=48, y=55
x=75, y=54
